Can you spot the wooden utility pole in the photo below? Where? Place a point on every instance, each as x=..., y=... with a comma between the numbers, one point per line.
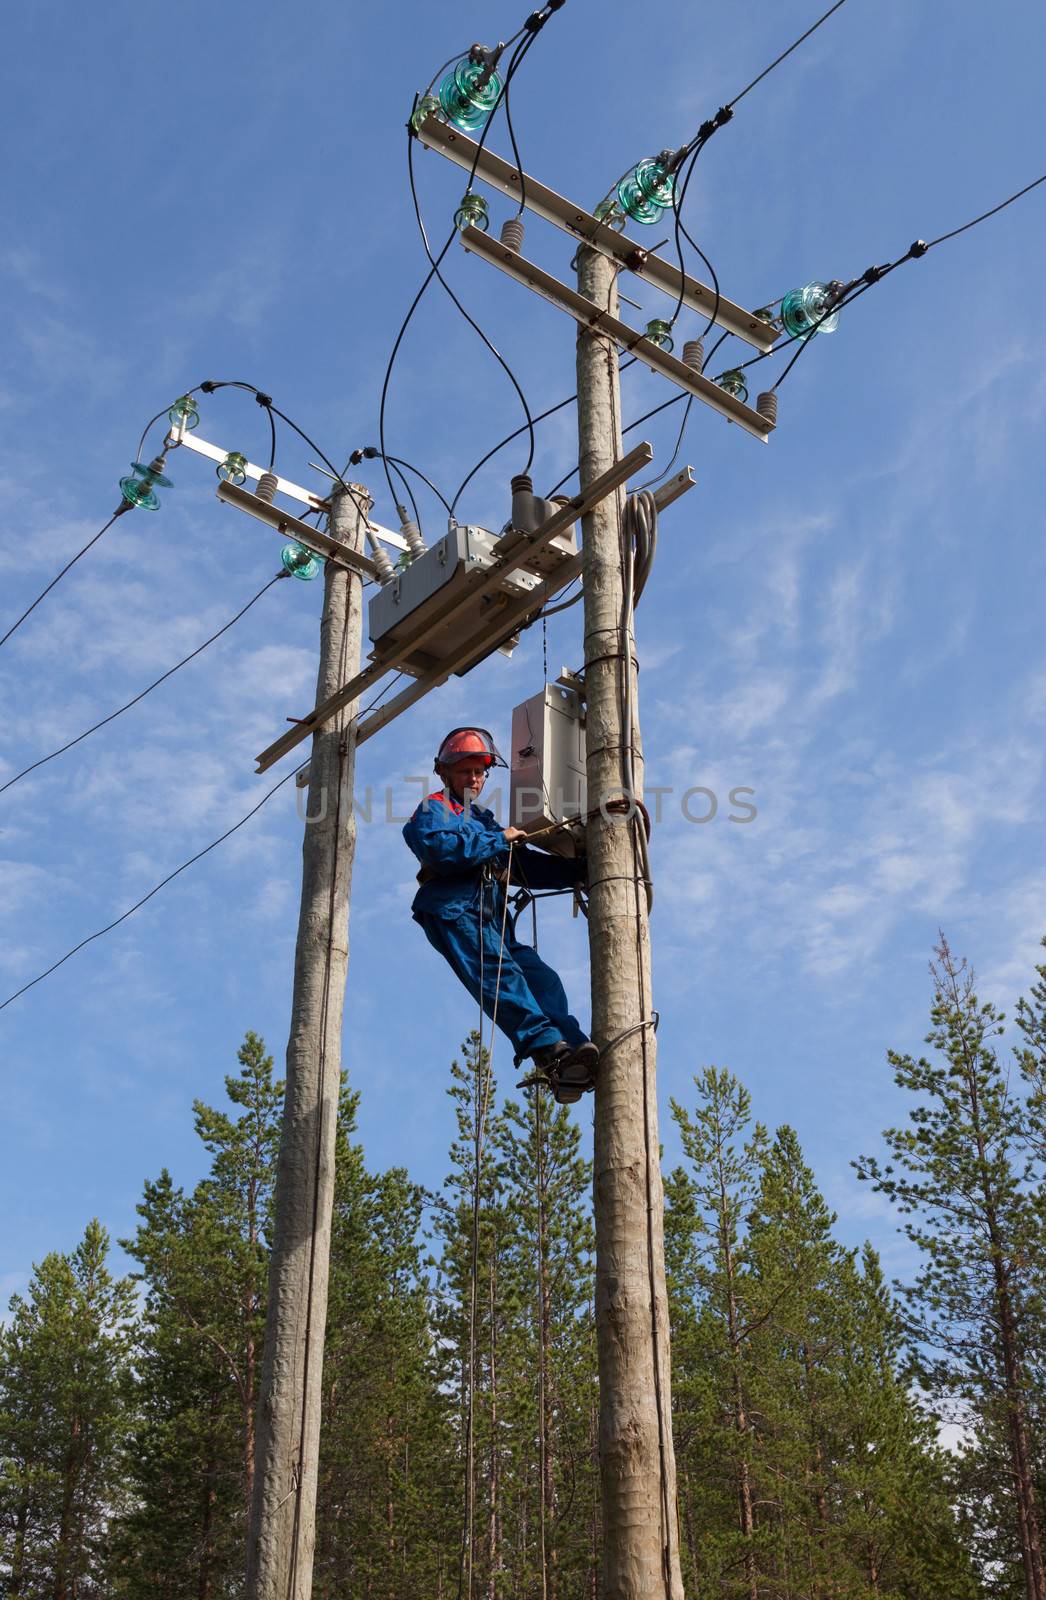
x=636, y=1456
x=282, y=1531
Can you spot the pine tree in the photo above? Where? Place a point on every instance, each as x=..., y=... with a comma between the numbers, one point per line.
x=473, y=1313
x=548, y=1359
x=64, y=1396
x=204, y=1266
x=961, y=1174
x=384, y=1516
x=708, y=1209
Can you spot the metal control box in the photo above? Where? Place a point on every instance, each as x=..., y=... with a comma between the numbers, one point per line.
x=439, y=581
x=547, y=766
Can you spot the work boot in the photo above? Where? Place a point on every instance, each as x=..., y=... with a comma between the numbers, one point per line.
x=549, y=1061
x=581, y=1067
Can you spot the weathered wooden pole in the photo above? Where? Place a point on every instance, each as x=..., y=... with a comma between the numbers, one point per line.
x=282, y=1531
x=636, y=1457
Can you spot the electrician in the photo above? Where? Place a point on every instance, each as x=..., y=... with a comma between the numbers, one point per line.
x=464, y=855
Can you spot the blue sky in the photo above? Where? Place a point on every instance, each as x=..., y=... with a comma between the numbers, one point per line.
x=848, y=620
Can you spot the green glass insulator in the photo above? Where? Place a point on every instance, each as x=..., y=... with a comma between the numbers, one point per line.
x=137, y=492
x=647, y=191
x=424, y=108
x=299, y=562
x=472, y=212
x=802, y=311
x=184, y=411
x=137, y=488
x=659, y=332
x=734, y=383
x=767, y=314
x=469, y=94
x=234, y=468
x=404, y=560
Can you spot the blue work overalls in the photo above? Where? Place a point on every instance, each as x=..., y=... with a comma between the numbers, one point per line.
x=461, y=907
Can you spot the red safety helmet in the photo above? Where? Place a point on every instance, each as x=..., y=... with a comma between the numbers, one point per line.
x=461, y=742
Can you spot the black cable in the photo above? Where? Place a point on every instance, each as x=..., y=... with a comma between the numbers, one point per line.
x=682, y=233
x=148, y=425
x=58, y=575
x=139, y=903
x=986, y=214
x=400, y=462
x=630, y=362
x=172, y=875
x=520, y=53
x=272, y=429
x=627, y=429
x=408, y=491
x=339, y=480
x=154, y=685
x=714, y=348
x=660, y=476
x=784, y=54
x=435, y=262
x=516, y=154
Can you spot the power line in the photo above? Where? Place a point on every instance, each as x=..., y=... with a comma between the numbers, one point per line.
x=531, y=27
x=146, y=897
x=559, y=405
x=852, y=291
x=514, y=64
x=100, y=932
x=986, y=214
x=154, y=685
x=59, y=575
x=785, y=54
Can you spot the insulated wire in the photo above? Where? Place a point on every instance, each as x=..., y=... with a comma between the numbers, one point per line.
x=408, y=491
x=434, y=272
x=146, y=897
x=514, y=64
x=630, y=362
x=785, y=54
x=659, y=476
x=126, y=506
x=399, y=462
x=627, y=429
x=172, y=875
x=154, y=685
x=915, y=252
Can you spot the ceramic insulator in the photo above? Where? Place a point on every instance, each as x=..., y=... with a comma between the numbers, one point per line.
x=512, y=234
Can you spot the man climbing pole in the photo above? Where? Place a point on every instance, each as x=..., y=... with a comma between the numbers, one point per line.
x=467, y=864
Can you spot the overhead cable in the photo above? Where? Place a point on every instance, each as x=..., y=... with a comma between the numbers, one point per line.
x=785, y=54
x=141, y=696
x=100, y=932
x=848, y=293
x=59, y=575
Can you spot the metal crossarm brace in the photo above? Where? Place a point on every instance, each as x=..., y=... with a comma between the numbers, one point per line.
x=544, y=202
x=294, y=491
x=321, y=544
x=390, y=659
x=590, y=315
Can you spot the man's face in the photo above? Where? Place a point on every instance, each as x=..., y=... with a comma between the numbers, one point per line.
x=468, y=773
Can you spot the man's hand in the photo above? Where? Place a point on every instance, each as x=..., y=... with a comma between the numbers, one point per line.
x=514, y=833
